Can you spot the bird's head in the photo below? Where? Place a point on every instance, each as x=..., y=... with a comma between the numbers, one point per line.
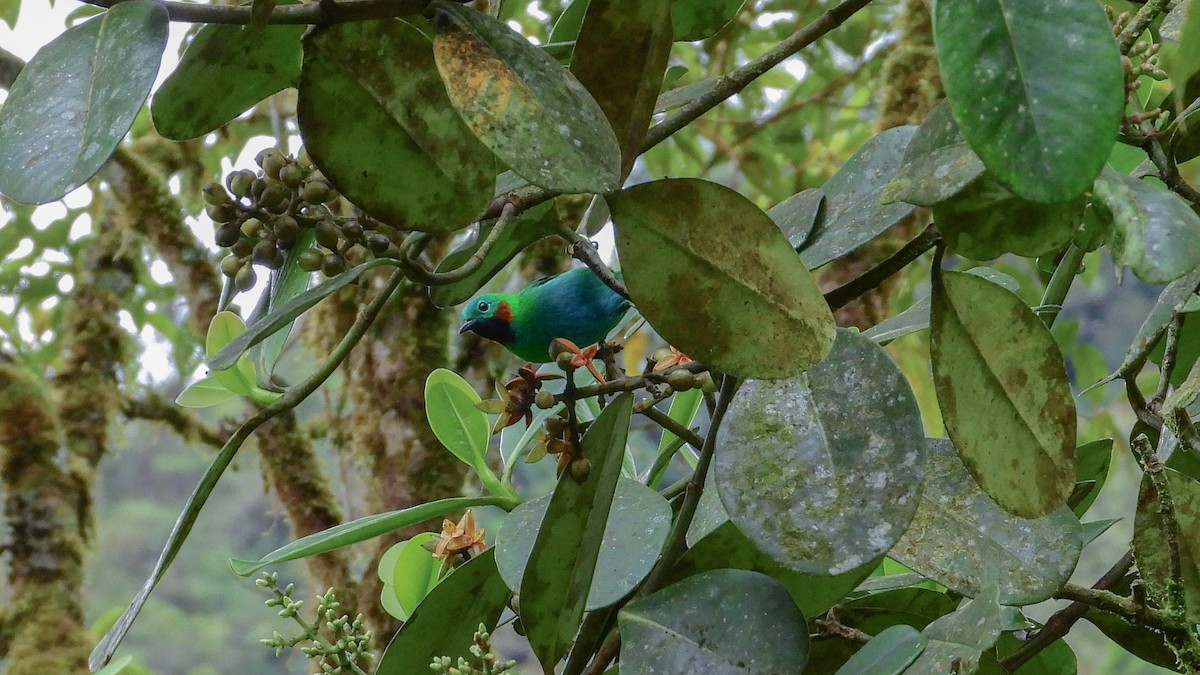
x=489, y=316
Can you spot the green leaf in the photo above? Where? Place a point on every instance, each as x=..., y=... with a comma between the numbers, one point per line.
x=10, y=10
x=985, y=221
x=362, y=529
x=240, y=378
x=792, y=476
x=620, y=58
x=1143, y=642
x=1039, y=106
x=117, y=666
x=698, y=19
x=204, y=393
x=523, y=105
x=458, y=424
x=566, y=28
x=286, y=284
x=1182, y=60
x=1150, y=541
x=224, y=72
x=1169, y=303
x=637, y=528
x=1056, y=659
x=962, y=539
x=533, y=225
x=287, y=313
x=558, y=576
x=260, y=13
x=854, y=212
x=937, y=164
x=1092, y=461
x=73, y=102
x=726, y=267
x=957, y=640
x=405, y=159
x=1003, y=392
x=720, y=622
x=446, y=620
x=888, y=653
x=725, y=547
x=1154, y=232
x=410, y=571
x=797, y=215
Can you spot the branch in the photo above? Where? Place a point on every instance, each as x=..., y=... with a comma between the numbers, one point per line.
x=583, y=250
x=154, y=407
x=846, y=293
x=1126, y=608
x=1166, y=512
x=1138, y=24
x=314, y=13
x=624, y=384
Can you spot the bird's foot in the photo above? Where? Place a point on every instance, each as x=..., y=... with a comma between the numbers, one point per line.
x=582, y=358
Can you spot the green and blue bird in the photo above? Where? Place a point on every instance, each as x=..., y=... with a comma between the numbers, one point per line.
x=575, y=305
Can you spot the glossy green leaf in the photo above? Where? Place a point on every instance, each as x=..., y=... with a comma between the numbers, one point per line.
x=362, y=529
x=224, y=72
x=116, y=667
x=888, y=653
x=1040, y=106
x=558, y=576
x=854, y=211
x=287, y=313
x=957, y=640
x=409, y=571
x=10, y=11
x=446, y=620
x=73, y=102
x=1143, y=642
x=633, y=538
x=224, y=327
x=1170, y=302
x=533, y=225
x=406, y=159
x=985, y=221
x=722, y=622
x=1092, y=462
x=792, y=476
x=916, y=316
x=697, y=19
x=566, y=28
x=727, y=548
x=457, y=423
x=204, y=393
x=1150, y=542
x=962, y=539
x=1003, y=391
x=937, y=164
x=1154, y=232
x=1056, y=659
x=1181, y=60
x=797, y=215
x=762, y=312
x=620, y=58
x=286, y=284
x=523, y=105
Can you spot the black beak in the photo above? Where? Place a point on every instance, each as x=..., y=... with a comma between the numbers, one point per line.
x=468, y=325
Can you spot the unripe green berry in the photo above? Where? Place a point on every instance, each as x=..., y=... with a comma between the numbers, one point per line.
x=317, y=192
x=544, y=400
x=252, y=228
x=291, y=176
x=707, y=382
x=257, y=187
x=326, y=234
x=240, y=182
x=286, y=227
x=352, y=231
x=245, y=278
x=555, y=425
x=563, y=360
x=227, y=235
x=681, y=380
x=274, y=197
x=310, y=260
x=272, y=162
x=230, y=265
x=221, y=213
x=263, y=252
x=333, y=264
x=243, y=247
x=378, y=243
x=580, y=469
x=214, y=194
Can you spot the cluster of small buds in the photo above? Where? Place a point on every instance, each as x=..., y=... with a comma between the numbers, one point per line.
x=261, y=215
x=349, y=645
x=483, y=660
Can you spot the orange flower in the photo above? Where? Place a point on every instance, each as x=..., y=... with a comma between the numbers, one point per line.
x=460, y=537
x=675, y=358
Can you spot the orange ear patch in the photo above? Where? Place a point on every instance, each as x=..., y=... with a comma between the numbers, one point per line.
x=504, y=312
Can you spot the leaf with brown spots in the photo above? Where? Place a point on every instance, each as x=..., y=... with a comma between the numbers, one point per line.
x=1150, y=542
x=717, y=279
x=620, y=57
x=1002, y=386
x=407, y=159
x=523, y=105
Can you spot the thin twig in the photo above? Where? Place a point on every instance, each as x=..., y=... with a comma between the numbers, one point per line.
x=670, y=424
x=1138, y=24
x=1168, y=364
x=1108, y=601
x=872, y=278
x=623, y=384
x=583, y=250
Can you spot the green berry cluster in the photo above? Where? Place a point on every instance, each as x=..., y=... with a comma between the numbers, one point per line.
x=350, y=642
x=483, y=660
x=260, y=216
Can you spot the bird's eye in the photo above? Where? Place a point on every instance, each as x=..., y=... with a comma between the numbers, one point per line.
x=482, y=306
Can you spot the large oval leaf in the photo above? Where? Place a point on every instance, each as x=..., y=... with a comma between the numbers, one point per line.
x=558, y=576
x=937, y=164
x=1039, y=101
x=854, y=210
x=406, y=159
x=633, y=537
x=457, y=423
x=1150, y=539
x=797, y=215
x=1003, y=391
x=822, y=470
x=962, y=539
x=523, y=105
x=74, y=101
x=1154, y=232
x=723, y=622
x=225, y=71
x=446, y=620
x=985, y=221
x=888, y=653
x=697, y=254
x=620, y=57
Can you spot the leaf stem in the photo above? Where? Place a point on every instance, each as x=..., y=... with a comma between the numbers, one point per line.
x=1060, y=284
